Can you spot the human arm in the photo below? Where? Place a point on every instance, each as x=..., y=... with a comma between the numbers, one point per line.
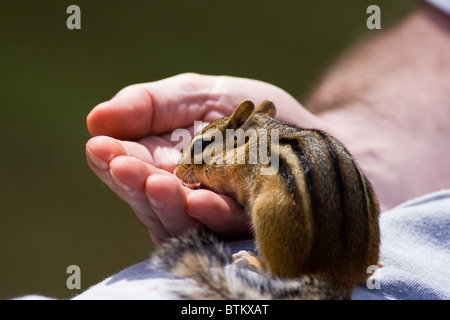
x=388, y=100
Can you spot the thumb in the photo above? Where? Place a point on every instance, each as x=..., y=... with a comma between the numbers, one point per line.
x=152, y=108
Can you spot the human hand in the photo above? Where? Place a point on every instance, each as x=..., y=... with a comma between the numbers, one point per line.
x=132, y=151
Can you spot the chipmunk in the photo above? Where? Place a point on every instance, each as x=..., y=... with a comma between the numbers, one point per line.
x=314, y=216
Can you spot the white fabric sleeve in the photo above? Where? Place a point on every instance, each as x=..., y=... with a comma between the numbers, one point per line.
x=415, y=252
x=443, y=5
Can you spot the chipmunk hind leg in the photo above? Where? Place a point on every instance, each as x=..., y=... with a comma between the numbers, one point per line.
x=247, y=259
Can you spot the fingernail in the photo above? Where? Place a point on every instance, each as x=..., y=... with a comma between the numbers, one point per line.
x=199, y=218
x=120, y=183
x=96, y=161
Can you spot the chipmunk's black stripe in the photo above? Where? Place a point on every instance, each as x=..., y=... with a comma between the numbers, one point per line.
x=336, y=166
x=363, y=187
x=305, y=162
x=287, y=175
x=366, y=199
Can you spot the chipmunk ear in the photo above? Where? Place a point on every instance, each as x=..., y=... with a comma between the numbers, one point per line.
x=268, y=107
x=241, y=114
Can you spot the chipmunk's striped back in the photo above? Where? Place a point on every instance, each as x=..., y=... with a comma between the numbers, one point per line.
x=316, y=215
x=327, y=185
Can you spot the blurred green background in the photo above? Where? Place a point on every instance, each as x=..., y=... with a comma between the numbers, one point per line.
x=54, y=212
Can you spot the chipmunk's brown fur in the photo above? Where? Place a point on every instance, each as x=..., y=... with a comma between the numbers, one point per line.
x=315, y=215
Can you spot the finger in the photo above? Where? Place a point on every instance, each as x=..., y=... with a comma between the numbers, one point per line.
x=168, y=200
x=122, y=166
x=154, y=150
x=219, y=213
x=154, y=108
x=101, y=150
x=163, y=153
x=129, y=176
x=125, y=116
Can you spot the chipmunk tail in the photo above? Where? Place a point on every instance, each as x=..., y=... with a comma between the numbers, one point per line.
x=206, y=260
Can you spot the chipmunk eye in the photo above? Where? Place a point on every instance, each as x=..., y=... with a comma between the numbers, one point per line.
x=236, y=140
x=199, y=146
